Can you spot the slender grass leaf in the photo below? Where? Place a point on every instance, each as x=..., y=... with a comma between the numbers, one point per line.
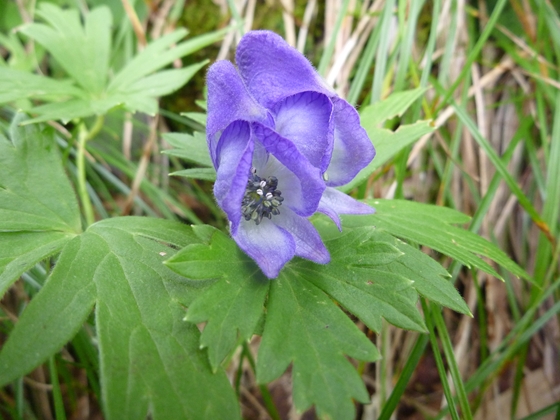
x=388, y=144
x=305, y=327
x=22, y=250
x=35, y=194
x=57, y=312
x=231, y=306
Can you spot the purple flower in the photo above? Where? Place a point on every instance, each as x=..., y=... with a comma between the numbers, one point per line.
x=280, y=140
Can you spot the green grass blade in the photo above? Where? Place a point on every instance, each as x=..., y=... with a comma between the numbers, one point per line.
x=453, y=368
x=56, y=391
x=327, y=54
x=411, y=362
x=475, y=51
x=439, y=361
x=382, y=51
x=500, y=167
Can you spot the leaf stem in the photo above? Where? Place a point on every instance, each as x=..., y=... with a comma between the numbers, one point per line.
x=97, y=126
x=83, y=136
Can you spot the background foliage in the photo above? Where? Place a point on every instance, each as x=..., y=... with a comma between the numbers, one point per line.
x=462, y=104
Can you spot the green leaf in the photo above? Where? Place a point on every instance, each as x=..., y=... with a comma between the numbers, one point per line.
x=117, y=265
x=234, y=304
x=19, y=58
x=35, y=194
x=396, y=104
x=305, y=327
x=208, y=174
x=142, y=94
x=56, y=313
x=148, y=342
x=388, y=144
x=82, y=51
x=22, y=250
x=365, y=276
x=17, y=84
x=431, y=226
x=192, y=148
x=430, y=279
x=73, y=108
x=198, y=117
x=158, y=55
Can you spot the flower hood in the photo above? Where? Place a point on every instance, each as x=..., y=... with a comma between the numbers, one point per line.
x=280, y=140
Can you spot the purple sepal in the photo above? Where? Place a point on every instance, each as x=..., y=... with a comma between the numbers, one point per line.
x=270, y=246
x=335, y=202
x=274, y=70
x=229, y=101
x=353, y=150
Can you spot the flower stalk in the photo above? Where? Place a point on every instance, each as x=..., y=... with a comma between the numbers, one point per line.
x=84, y=135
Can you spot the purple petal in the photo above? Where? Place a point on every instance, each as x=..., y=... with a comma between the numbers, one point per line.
x=335, y=202
x=308, y=242
x=306, y=120
x=302, y=195
x=273, y=70
x=353, y=150
x=228, y=101
x=269, y=245
x=234, y=155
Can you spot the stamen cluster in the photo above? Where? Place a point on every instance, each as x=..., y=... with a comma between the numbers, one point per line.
x=261, y=199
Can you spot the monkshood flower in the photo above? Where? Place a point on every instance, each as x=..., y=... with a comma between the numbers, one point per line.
x=280, y=140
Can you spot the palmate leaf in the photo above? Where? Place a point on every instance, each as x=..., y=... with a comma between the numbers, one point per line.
x=395, y=105
x=38, y=209
x=302, y=324
x=83, y=51
x=206, y=174
x=387, y=144
x=233, y=305
x=56, y=313
x=22, y=250
x=371, y=274
x=17, y=84
x=35, y=194
x=364, y=277
x=192, y=148
x=432, y=226
x=142, y=333
x=150, y=358
x=305, y=327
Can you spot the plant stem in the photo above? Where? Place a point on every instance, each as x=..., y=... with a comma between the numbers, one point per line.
x=83, y=136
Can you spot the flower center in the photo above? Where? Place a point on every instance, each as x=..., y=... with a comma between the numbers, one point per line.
x=261, y=199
